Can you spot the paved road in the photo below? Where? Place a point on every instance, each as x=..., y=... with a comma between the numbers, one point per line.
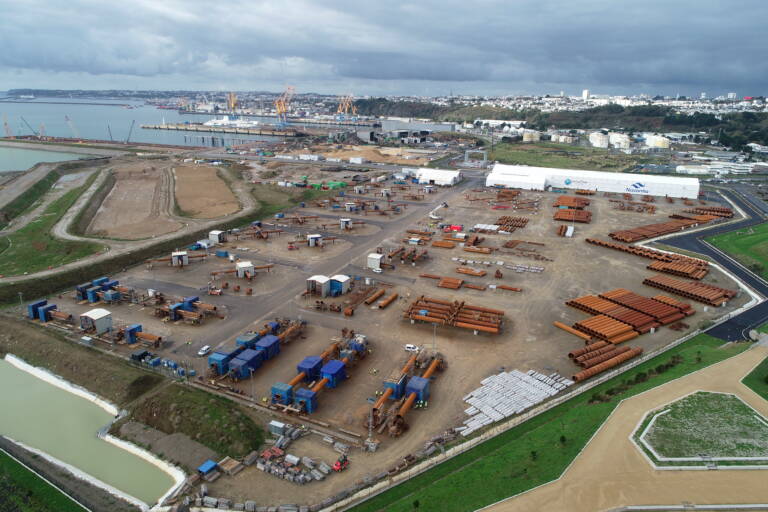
x=737, y=327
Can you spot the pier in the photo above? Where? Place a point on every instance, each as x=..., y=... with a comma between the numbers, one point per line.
x=221, y=129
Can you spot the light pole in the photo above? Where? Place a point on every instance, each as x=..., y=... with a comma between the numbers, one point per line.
x=21, y=303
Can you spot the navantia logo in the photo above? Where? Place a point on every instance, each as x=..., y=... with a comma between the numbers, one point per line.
x=568, y=181
x=637, y=185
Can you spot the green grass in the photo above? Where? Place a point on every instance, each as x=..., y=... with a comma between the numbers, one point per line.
x=715, y=424
x=749, y=246
x=211, y=420
x=26, y=200
x=540, y=449
x=23, y=491
x=757, y=380
x=564, y=156
x=34, y=248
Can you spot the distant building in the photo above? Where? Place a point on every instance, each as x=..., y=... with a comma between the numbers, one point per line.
x=599, y=140
x=585, y=94
x=731, y=96
x=656, y=141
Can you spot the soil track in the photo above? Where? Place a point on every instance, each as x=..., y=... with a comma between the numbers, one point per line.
x=611, y=472
x=202, y=194
x=137, y=206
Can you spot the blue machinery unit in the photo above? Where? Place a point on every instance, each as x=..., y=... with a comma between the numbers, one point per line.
x=394, y=389
x=331, y=374
x=96, y=289
x=251, y=350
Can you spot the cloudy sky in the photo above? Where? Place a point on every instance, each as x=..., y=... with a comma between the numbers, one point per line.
x=429, y=47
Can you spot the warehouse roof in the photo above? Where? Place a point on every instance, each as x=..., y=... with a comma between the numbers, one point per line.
x=96, y=314
x=547, y=171
x=319, y=279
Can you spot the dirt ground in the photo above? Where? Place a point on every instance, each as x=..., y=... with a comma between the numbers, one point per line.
x=138, y=205
x=202, y=194
x=178, y=448
x=611, y=472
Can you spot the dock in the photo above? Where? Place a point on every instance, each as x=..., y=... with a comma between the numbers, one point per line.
x=190, y=127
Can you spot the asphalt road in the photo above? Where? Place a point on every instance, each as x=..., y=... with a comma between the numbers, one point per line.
x=737, y=327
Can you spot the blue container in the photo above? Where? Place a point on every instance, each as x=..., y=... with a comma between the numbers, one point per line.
x=334, y=371
x=174, y=310
x=256, y=223
x=398, y=388
x=155, y=362
x=420, y=386
x=305, y=400
x=341, y=193
x=172, y=364
x=220, y=361
x=109, y=284
x=82, y=290
x=91, y=294
x=100, y=281
x=281, y=393
x=130, y=333
x=222, y=254
x=32, y=308
x=273, y=327
x=111, y=295
x=191, y=373
x=311, y=366
x=270, y=344
x=194, y=298
x=254, y=358
x=180, y=372
x=247, y=340
x=194, y=247
x=43, y=312
x=279, y=215
x=239, y=369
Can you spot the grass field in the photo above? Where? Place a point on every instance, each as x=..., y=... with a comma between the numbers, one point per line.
x=28, y=198
x=34, y=248
x=714, y=424
x=209, y=419
x=540, y=449
x=749, y=246
x=23, y=491
x=757, y=380
x=564, y=156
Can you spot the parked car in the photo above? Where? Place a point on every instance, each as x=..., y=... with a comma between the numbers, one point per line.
x=204, y=351
x=411, y=348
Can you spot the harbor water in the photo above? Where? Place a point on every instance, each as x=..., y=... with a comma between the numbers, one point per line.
x=18, y=159
x=65, y=426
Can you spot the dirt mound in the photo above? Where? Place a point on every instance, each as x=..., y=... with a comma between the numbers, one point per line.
x=202, y=194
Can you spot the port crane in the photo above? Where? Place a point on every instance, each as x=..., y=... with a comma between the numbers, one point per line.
x=346, y=107
x=281, y=106
x=72, y=127
x=231, y=101
x=6, y=127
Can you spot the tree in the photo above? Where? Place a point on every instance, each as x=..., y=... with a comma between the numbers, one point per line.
x=534, y=455
x=563, y=440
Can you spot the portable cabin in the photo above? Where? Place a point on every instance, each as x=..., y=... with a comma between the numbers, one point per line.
x=179, y=259
x=319, y=285
x=217, y=237
x=339, y=285
x=244, y=269
x=315, y=240
x=374, y=261
x=97, y=320
x=345, y=224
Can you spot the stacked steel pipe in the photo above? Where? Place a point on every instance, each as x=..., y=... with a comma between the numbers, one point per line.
x=507, y=223
x=652, y=254
x=571, y=202
x=717, y=211
x=573, y=354
x=594, y=305
x=653, y=230
x=662, y=313
x=607, y=365
x=590, y=360
x=681, y=269
x=701, y=292
x=607, y=329
x=681, y=306
x=456, y=314
x=569, y=215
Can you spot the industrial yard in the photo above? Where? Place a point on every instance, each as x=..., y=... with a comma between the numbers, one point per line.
x=416, y=293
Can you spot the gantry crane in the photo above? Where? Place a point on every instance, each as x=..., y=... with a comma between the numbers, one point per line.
x=281, y=105
x=231, y=101
x=346, y=105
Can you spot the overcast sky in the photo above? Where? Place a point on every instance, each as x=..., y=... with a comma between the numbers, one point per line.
x=363, y=47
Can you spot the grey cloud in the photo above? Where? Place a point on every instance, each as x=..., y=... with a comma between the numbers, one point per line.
x=493, y=46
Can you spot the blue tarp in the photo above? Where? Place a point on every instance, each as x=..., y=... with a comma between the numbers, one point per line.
x=206, y=467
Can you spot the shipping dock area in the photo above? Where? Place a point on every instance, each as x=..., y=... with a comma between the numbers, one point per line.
x=199, y=127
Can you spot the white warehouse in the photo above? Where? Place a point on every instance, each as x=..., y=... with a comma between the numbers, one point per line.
x=542, y=178
x=429, y=176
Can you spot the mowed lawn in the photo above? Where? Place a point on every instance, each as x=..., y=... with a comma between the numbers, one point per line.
x=749, y=246
x=34, y=248
x=540, y=449
x=562, y=156
x=22, y=490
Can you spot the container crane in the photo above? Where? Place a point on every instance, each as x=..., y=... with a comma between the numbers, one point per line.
x=6, y=127
x=231, y=101
x=72, y=127
x=281, y=105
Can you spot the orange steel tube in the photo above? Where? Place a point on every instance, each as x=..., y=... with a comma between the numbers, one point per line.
x=290, y=330
x=493, y=330
x=432, y=367
x=370, y=300
x=296, y=379
x=386, y=302
x=407, y=405
x=320, y=385
x=428, y=319
x=382, y=399
x=573, y=331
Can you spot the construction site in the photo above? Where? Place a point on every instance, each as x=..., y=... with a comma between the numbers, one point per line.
x=430, y=299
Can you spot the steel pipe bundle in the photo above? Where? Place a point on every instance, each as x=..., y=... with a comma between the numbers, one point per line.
x=606, y=328
x=591, y=304
x=594, y=361
x=607, y=365
x=457, y=314
x=706, y=293
x=573, y=354
x=663, y=313
x=679, y=269
x=645, y=252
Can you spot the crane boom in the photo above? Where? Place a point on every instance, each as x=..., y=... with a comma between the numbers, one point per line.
x=130, y=131
x=6, y=127
x=30, y=126
x=72, y=127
